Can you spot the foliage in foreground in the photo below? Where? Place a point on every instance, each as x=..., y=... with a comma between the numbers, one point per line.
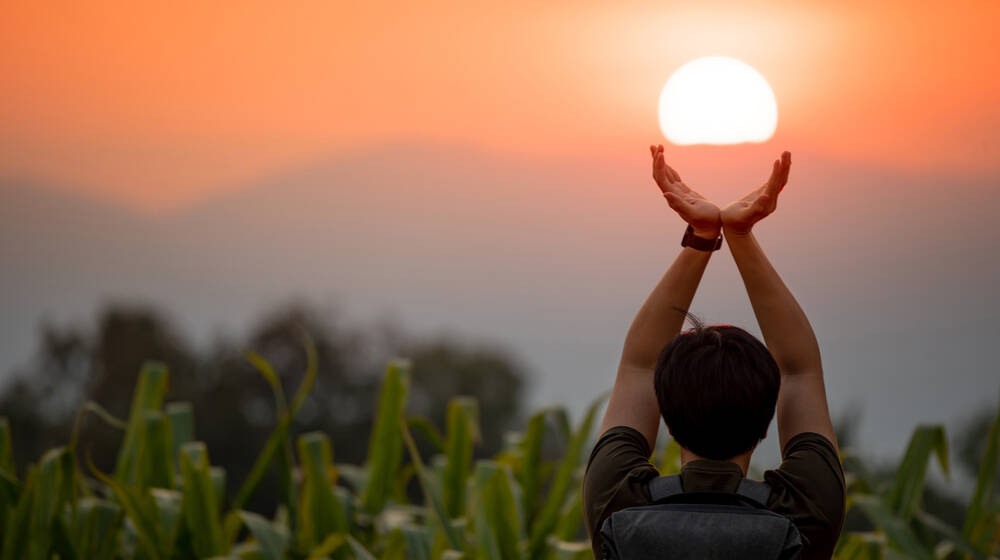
x=165, y=500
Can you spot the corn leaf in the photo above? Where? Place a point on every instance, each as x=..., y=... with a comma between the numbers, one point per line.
x=898, y=532
x=155, y=448
x=320, y=511
x=571, y=518
x=385, y=448
x=180, y=417
x=861, y=546
x=904, y=496
x=529, y=467
x=978, y=517
x=148, y=395
x=395, y=546
x=563, y=550
x=549, y=515
x=418, y=542
x=424, y=427
x=463, y=434
x=670, y=462
x=201, y=504
x=96, y=536
x=140, y=507
x=330, y=545
x=497, y=526
x=432, y=491
x=276, y=442
x=272, y=539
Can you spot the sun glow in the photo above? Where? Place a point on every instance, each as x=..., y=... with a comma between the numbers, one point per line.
x=717, y=100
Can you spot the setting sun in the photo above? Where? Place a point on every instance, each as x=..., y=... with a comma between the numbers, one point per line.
x=717, y=100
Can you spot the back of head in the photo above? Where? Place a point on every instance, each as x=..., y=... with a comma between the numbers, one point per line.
x=717, y=387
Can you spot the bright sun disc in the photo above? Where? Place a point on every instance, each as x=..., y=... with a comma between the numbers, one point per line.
x=717, y=100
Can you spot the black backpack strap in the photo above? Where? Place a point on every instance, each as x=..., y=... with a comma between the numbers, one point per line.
x=663, y=487
x=759, y=492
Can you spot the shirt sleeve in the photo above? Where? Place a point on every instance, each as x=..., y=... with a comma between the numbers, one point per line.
x=616, y=477
x=809, y=488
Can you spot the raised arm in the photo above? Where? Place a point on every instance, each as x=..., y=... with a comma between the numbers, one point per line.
x=802, y=405
x=633, y=402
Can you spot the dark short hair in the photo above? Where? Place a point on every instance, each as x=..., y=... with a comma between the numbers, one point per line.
x=717, y=387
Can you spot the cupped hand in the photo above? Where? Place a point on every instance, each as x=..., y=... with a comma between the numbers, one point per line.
x=701, y=213
x=739, y=217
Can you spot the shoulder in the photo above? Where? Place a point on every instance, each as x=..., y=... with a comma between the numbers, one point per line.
x=617, y=474
x=809, y=488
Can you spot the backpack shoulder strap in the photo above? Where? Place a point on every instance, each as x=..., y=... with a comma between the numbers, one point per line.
x=756, y=491
x=663, y=487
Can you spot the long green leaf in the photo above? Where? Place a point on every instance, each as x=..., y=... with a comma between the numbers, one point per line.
x=50, y=492
x=432, y=491
x=320, y=512
x=900, y=536
x=96, y=536
x=180, y=417
x=861, y=546
x=549, y=515
x=529, y=467
x=424, y=427
x=497, y=526
x=148, y=395
x=904, y=496
x=201, y=503
x=141, y=509
x=978, y=516
x=276, y=441
x=463, y=434
x=670, y=462
x=385, y=448
x=156, y=448
x=272, y=539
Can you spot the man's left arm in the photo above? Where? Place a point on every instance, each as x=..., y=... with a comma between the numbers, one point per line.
x=633, y=401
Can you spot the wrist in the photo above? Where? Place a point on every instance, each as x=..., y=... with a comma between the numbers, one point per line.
x=735, y=232
x=707, y=233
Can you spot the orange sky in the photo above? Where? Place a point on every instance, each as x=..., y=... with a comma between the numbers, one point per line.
x=158, y=105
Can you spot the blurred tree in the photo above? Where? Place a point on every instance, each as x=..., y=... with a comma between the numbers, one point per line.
x=442, y=369
x=233, y=404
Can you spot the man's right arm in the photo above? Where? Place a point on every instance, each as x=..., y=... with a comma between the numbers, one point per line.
x=802, y=405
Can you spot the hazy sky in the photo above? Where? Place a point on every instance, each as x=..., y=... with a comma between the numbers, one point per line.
x=481, y=168
x=158, y=104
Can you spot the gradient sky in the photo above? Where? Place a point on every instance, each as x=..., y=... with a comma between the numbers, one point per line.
x=481, y=169
x=160, y=105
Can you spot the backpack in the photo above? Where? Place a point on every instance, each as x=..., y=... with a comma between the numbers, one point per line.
x=704, y=526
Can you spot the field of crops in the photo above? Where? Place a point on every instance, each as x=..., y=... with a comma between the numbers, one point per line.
x=165, y=500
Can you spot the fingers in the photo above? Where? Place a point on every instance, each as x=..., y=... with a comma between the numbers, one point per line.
x=677, y=201
x=786, y=163
x=779, y=175
x=674, y=176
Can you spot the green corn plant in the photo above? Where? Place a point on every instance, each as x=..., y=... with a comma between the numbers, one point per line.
x=463, y=435
x=201, y=502
x=982, y=520
x=497, y=527
x=321, y=513
x=164, y=500
x=385, y=448
x=148, y=396
x=561, y=484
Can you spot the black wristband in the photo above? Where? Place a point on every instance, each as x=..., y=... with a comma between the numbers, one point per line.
x=700, y=243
